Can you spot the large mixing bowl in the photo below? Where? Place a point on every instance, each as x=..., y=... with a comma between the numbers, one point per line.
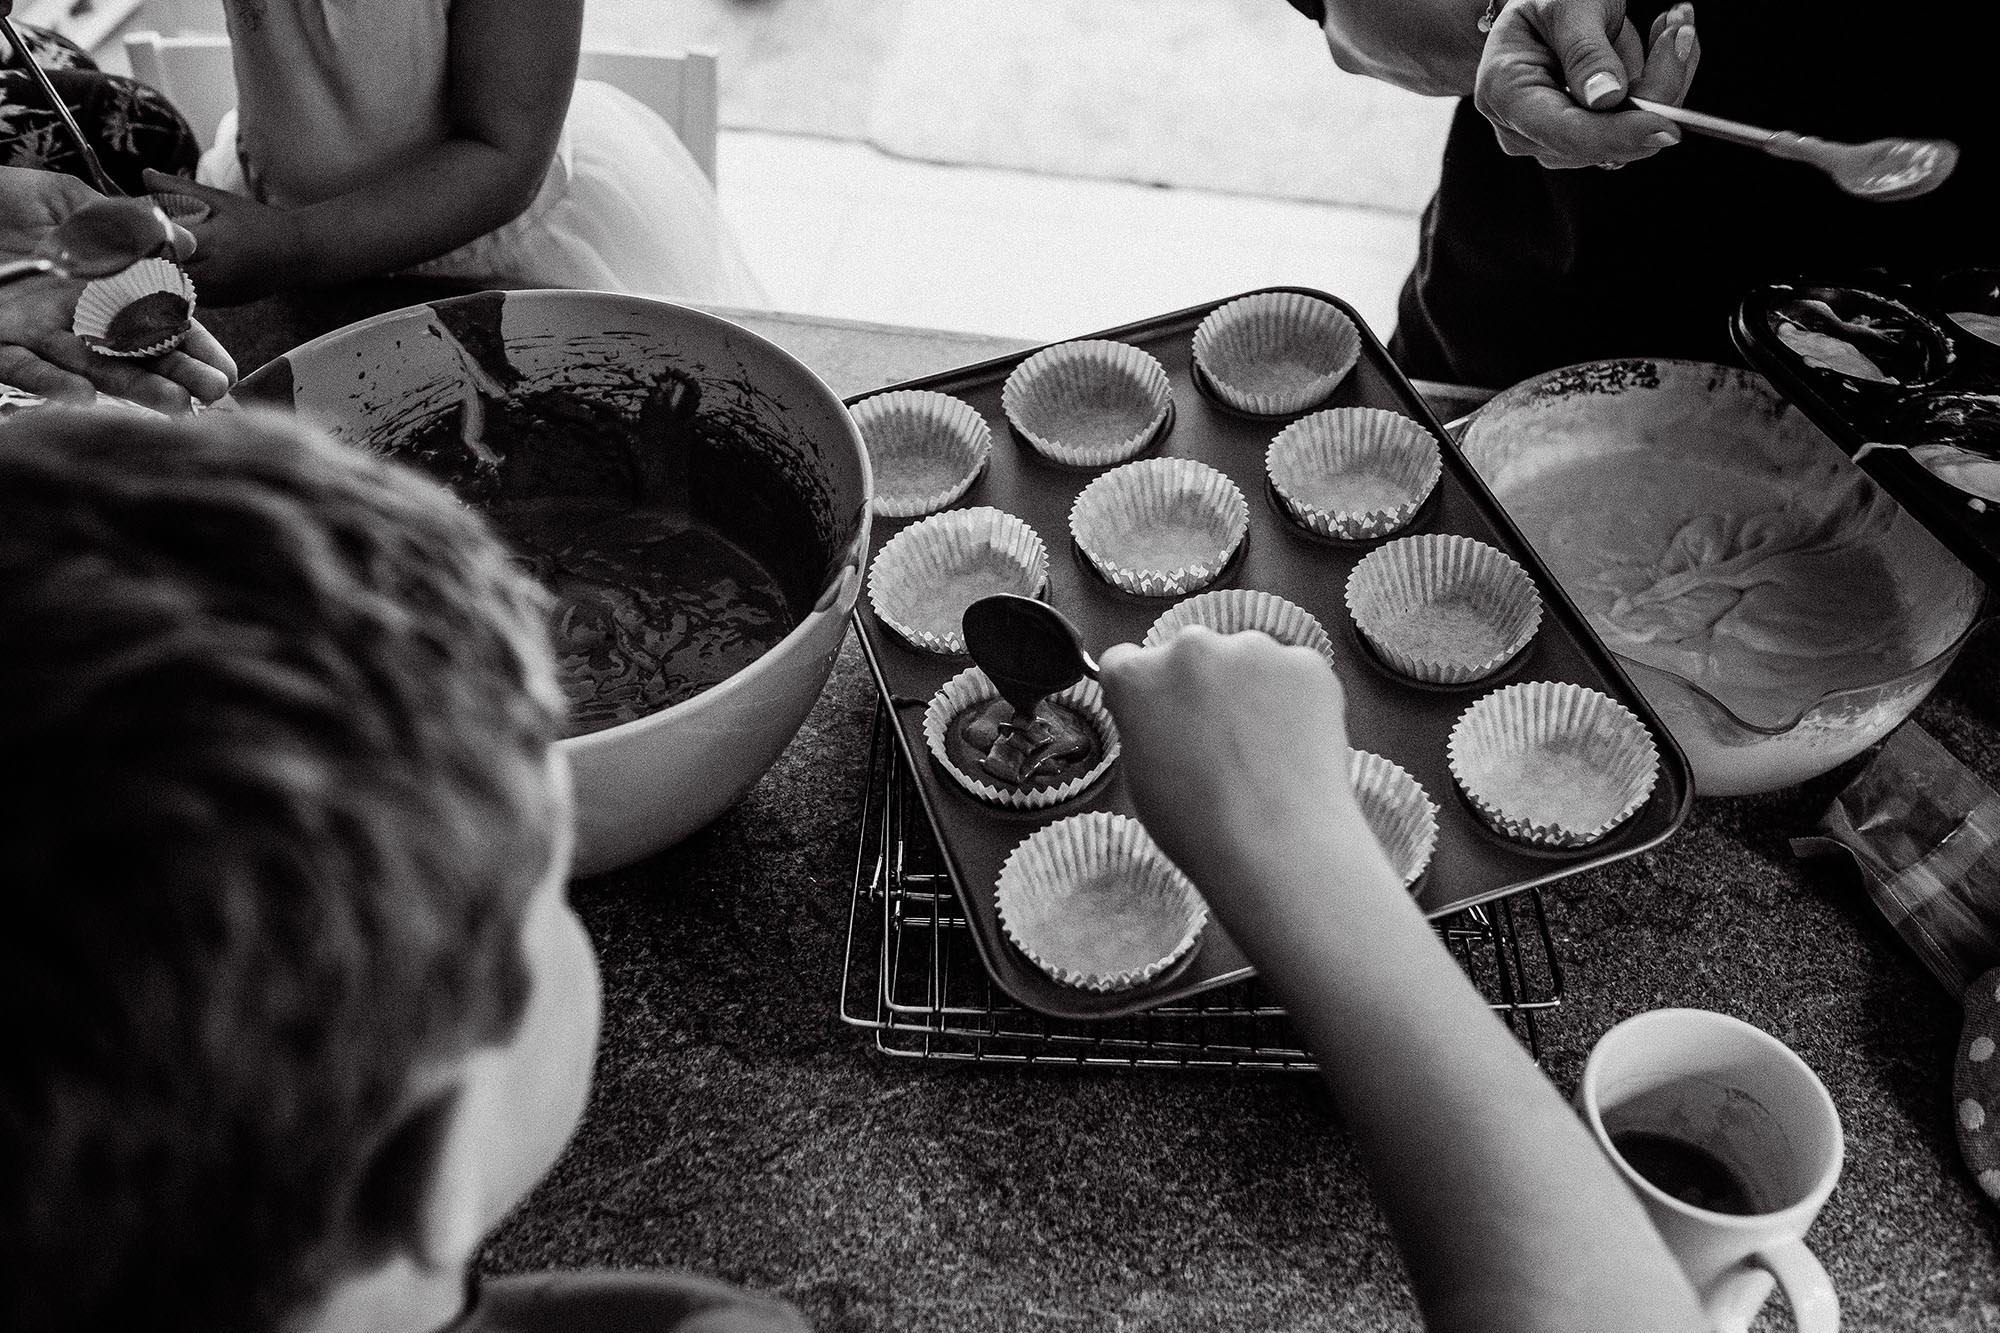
x=725, y=434
x=1778, y=611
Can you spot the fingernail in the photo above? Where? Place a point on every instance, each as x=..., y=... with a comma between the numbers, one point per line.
x=1663, y=139
x=1684, y=41
x=1599, y=88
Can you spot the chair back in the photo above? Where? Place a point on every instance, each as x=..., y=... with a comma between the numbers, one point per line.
x=195, y=73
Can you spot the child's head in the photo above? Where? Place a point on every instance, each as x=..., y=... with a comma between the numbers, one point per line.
x=289, y=986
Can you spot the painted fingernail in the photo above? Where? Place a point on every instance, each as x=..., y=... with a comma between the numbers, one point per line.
x=1663, y=139
x=1684, y=41
x=1599, y=88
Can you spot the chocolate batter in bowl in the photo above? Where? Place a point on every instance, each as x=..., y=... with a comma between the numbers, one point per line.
x=1778, y=610
x=695, y=500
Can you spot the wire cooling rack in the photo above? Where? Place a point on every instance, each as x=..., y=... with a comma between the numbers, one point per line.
x=913, y=975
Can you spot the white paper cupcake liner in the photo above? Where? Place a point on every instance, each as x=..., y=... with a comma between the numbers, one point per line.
x=970, y=688
x=182, y=208
x=1160, y=527
x=926, y=449
x=1397, y=810
x=1088, y=403
x=1551, y=763
x=1233, y=610
x=101, y=300
x=1093, y=902
x=926, y=575
x=1443, y=608
x=1276, y=352
x=1353, y=473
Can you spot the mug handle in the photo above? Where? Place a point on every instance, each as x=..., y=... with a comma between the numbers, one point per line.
x=1815, y=1307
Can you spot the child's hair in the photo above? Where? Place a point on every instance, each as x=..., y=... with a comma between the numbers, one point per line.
x=275, y=716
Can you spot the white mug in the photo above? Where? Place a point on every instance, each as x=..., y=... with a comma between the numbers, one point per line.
x=1739, y=1145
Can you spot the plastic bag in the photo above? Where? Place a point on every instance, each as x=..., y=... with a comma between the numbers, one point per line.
x=1925, y=832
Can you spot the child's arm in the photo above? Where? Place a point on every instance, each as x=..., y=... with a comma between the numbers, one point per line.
x=512, y=68
x=1507, y=1215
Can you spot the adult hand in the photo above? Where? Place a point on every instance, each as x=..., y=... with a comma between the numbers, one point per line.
x=1554, y=73
x=1232, y=744
x=246, y=249
x=40, y=353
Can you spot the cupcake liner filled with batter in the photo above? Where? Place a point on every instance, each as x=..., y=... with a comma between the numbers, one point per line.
x=976, y=737
x=142, y=311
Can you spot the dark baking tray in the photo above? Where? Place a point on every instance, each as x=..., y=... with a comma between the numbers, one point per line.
x=1394, y=718
x=1953, y=393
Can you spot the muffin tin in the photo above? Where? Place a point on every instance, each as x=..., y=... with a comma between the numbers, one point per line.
x=1940, y=385
x=1402, y=720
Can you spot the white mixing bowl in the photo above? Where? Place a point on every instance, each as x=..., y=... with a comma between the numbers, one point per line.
x=780, y=470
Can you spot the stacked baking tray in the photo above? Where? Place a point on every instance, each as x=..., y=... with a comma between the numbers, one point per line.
x=1387, y=714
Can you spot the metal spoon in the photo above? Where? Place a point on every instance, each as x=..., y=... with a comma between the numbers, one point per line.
x=1025, y=647
x=1884, y=170
x=103, y=237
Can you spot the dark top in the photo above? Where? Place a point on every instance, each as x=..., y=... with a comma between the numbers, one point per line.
x=1522, y=269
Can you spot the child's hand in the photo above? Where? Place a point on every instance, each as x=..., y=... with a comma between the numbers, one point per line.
x=1232, y=744
x=243, y=250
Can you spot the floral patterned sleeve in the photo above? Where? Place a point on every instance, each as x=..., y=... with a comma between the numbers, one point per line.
x=131, y=125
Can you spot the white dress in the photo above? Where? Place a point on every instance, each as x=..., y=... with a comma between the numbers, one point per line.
x=332, y=92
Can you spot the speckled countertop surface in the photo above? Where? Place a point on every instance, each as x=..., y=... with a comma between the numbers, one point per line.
x=741, y=1129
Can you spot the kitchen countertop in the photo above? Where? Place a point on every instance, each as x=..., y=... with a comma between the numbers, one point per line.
x=740, y=1128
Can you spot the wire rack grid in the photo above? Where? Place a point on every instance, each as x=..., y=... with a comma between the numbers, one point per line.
x=912, y=972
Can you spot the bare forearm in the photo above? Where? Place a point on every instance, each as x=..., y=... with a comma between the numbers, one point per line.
x=1505, y=1211
x=459, y=190
x=1426, y=46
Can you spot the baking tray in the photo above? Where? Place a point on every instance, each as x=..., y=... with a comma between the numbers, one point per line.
x=1391, y=716
x=1947, y=390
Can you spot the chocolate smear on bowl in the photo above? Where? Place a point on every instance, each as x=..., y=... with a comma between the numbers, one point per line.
x=676, y=554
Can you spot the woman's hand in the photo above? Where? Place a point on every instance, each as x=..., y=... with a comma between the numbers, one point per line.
x=1554, y=72
x=244, y=249
x=40, y=352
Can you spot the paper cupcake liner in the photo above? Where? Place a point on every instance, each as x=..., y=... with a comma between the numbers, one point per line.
x=1353, y=473
x=926, y=575
x=926, y=449
x=1551, y=763
x=1093, y=902
x=1088, y=403
x=102, y=299
x=1160, y=527
x=182, y=208
x=1443, y=608
x=970, y=688
x=1397, y=810
x=1276, y=352
x=1233, y=610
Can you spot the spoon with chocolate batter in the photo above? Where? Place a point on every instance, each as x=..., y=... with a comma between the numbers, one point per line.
x=1026, y=648
x=103, y=237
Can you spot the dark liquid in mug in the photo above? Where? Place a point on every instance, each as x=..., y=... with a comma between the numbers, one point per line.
x=1689, y=1173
